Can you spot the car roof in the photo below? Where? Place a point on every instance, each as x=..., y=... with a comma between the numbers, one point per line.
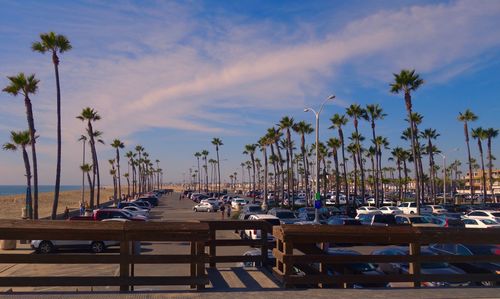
x=264, y=216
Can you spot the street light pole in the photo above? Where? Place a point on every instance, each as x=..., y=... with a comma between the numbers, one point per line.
x=317, y=197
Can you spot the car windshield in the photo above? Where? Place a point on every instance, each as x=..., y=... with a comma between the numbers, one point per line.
x=488, y=221
x=419, y=220
x=285, y=215
x=127, y=213
x=254, y=209
x=496, y=214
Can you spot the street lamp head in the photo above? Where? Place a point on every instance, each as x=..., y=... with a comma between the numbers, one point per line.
x=331, y=97
x=307, y=110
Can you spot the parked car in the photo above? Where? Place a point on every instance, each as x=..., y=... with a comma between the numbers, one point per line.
x=377, y=219
x=252, y=209
x=368, y=210
x=332, y=200
x=390, y=210
x=444, y=221
x=137, y=211
x=205, y=207
x=300, y=202
x=354, y=268
x=415, y=220
x=151, y=199
x=480, y=223
x=49, y=246
x=484, y=214
x=238, y=201
x=441, y=268
x=285, y=216
x=309, y=214
x=110, y=213
x=411, y=208
x=342, y=220
x=255, y=234
x=212, y=200
x=271, y=260
x=437, y=209
x=470, y=250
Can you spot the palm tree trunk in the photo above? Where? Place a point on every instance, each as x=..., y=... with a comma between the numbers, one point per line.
x=55, y=60
x=480, y=145
x=405, y=167
x=346, y=187
x=265, y=174
x=469, y=159
x=83, y=172
x=414, y=149
x=490, y=166
x=337, y=178
x=355, y=161
x=400, y=189
x=381, y=174
x=91, y=186
x=206, y=174
x=29, y=208
x=361, y=168
x=31, y=126
x=218, y=170
x=376, y=160
x=119, y=175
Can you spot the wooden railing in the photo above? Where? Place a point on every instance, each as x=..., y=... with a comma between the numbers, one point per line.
x=238, y=225
x=313, y=241
x=126, y=233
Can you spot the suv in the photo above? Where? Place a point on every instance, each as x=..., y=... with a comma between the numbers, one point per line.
x=411, y=208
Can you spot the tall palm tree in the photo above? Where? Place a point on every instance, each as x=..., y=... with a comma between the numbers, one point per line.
x=352, y=149
x=117, y=145
x=337, y=122
x=112, y=172
x=417, y=120
x=217, y=142
x=83, y=139
x=127, y=177
x=407, y=81
x=466, y=117
x=264, y=142
x=334, y=144
x=205, y=153
x=139, y=149
x=250, y=150
x=19, y=141
x=90, y=115
x=374, y=112
x=87, y=168
x=480, y=134
x=356, y=112
x=131, y=162
x=397, y=153
x=54, y=43
x=198, y=155
x=371, y=152
x=275, y=136
x=381, y=142
x=490, y=134
x=303, y=129
x=431, y=134
x=286, y=124
x=25, y=86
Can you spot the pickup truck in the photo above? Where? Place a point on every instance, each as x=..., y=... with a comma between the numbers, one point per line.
x=102, y=214
x=411, y=208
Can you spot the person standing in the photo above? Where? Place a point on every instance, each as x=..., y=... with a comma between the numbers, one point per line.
x=222, y=209
x=229, y=212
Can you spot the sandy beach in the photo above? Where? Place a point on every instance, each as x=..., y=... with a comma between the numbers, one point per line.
x=11, y=205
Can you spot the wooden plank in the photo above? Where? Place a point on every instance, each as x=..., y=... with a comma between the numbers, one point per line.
x=19, y=281
x=237, y=224
x=200, y=265
x=212, y=246
x=236, y=258
x=238, y=242
x=264, y=247
x=59, y=259
x=167, y=259
x=124, y=264
x=415, y=265
x=192, y=265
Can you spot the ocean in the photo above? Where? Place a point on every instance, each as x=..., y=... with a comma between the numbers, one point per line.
x=21, y=189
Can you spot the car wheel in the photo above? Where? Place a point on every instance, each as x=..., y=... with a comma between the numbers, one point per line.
x=412, y=212
x=487, y=283
x=97, y=247
x=195, y=209
x=45, y=247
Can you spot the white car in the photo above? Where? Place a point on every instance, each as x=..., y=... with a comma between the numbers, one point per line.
x=332, y=200
x=254, y=234
x=136, y=211
x=368, y=210
x=438, y=209
x=485, y=214
x=48, y=246
x=390, y=210
x=370, y=201
x=238, y=201
x=212, y=200
x=205, y=207
x=411, y=208
x=480, y=223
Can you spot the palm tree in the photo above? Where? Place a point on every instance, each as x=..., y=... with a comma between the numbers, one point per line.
x=337, y=122
x=131, y=162
x=117, y=144
x=304, y=128
x=19, y=141
x=275, y=136
x=264, y=142
x=381, y=142
x=374, y=112
x=83, y=139
x=127, y=176
x=217, y=142
x=371, y=152
x=431, y=134
x=86, y=168
x=398, y=154
x=139, y=149
x=480, y=134
x=112, y=172
x=490, y=134
x=54, y=43
x=334, y=144
x=286, y=124
x=26, y=85
x=355, y=112
x=250, y=150
x=205, y=153
x=466, y=117
x=407, y=82
x=198, y=155
x=90, y=115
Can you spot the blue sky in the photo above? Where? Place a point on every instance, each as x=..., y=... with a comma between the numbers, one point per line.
x=172, y=75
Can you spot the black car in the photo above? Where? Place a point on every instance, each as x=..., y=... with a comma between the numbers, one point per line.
x=152, y=200
x=470, y=250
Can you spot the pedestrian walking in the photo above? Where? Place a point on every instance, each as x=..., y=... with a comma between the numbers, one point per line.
x=180, y=196
x=66, y=213
x=228, y=211
x=222, y=209
x=82, y=208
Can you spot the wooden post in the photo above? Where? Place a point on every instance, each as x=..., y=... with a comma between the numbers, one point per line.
x=213, y=248
x=288, y=263
x=322, y=266
x=415, y=266
x=200, y=265
x=124, y=263
x=264, y=247
x=193, y=262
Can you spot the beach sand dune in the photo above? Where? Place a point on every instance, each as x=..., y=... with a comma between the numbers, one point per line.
x=11, y=205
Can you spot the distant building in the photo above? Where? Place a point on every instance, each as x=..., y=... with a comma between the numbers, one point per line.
x=477, y=185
